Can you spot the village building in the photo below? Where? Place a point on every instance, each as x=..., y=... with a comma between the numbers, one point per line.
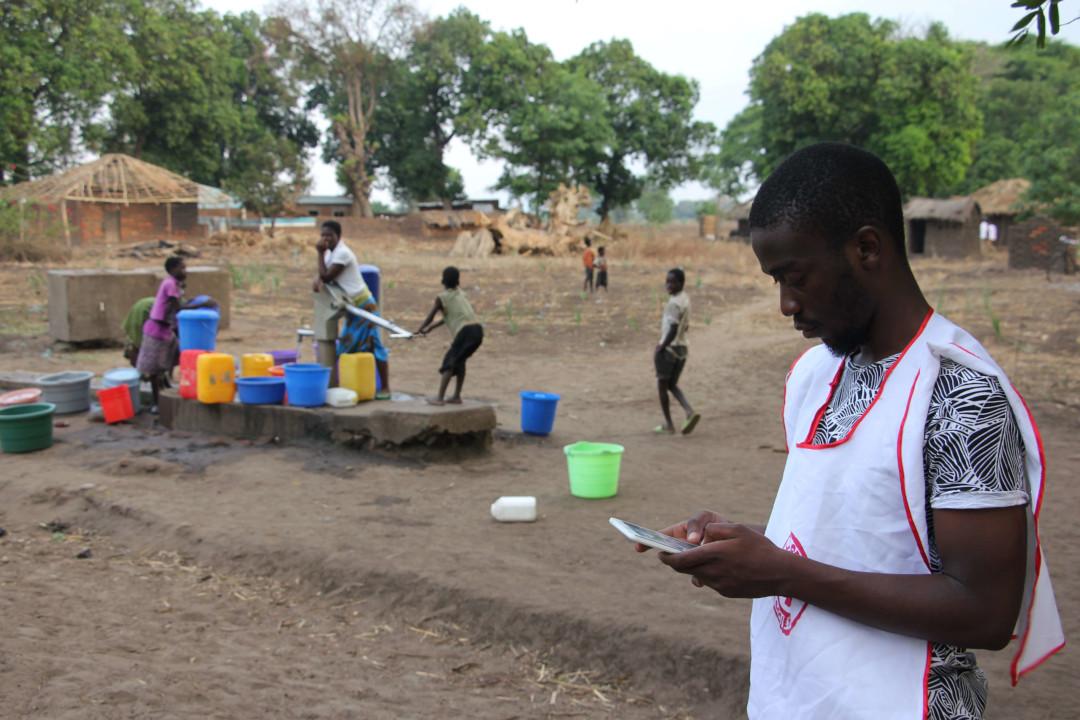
x=1001, y=202
x=113, y=200
x=943, y=228
x=329, y=206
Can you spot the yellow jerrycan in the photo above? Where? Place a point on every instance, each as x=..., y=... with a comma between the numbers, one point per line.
x=215, y=378
x=256, y=364
x=356, y=371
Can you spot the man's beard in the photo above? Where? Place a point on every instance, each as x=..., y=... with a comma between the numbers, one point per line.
x=856, y=310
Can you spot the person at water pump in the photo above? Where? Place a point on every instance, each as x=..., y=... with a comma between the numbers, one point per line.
x=339, y=268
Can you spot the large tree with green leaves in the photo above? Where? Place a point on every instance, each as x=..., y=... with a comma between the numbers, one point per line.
x=651, y=117
x=345, y=50
x=209, y=98
x=431, y=97
x=58, y=61
x=545, y=121
x=910, y=99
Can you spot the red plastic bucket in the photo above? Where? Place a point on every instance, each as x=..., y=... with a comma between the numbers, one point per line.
x=116, y=404
x=189, y=361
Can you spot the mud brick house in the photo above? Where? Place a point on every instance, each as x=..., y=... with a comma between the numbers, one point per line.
x=1038, y=242
x=328, y=206
x=943, y=228
x=1001, y=202
x=115, y=199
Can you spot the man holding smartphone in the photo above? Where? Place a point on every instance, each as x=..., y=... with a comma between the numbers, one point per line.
x=905, y=528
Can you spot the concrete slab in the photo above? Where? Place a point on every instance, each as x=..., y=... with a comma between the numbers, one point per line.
x=399, y=423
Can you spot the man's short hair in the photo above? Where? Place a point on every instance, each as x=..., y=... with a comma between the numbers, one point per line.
x=172, y=262
x=333, y=226
x=588, y=242
x=679, y=275
x=451, y=277
x=832, y=189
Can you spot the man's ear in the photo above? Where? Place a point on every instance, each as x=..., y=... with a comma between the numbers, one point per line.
x=866, y=248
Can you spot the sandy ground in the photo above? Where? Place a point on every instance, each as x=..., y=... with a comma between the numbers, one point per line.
x=207, y=553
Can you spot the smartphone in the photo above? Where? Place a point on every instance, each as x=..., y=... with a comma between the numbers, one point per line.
x=650, y=538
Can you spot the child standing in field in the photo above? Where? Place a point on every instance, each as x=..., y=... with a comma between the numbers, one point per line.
x=601, y=269
x=588, y=258
x=671, y=353
x=465, y=329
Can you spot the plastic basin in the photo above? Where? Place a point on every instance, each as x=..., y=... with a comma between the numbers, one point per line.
x=22, y=396
x=126, y=377
x=593, y=469
x=25, y=428
x=261, y=390
x=307, y=384
x=538, y=412
x=68, y=391
x=198, y=329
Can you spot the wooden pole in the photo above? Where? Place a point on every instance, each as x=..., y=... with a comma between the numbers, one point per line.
x=22, y=210
x=168, y=219
x=64, y=219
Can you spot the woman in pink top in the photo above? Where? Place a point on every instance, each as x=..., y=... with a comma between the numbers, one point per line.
x=157, y=354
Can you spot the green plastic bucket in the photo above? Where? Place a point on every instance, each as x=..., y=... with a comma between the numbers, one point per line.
x=593, y=469
x=25, y=428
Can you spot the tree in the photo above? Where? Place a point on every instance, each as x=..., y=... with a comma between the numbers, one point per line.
x=543, y=120
x=656, y=205
x=431, y=99
x=651, y=116
x=1053, y=161
x=911, y=100
x=58, y=61
x=209, y=98
x=344, y=50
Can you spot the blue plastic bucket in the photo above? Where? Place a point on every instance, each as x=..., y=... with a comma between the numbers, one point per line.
x=307, y=384
x=198, y=329
x=538, y=412
x=125, y=376
x=261, y=390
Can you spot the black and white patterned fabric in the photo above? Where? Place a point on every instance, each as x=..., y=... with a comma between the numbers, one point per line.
x=974, y=458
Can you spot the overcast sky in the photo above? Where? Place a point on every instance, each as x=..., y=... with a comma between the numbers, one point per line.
x=711, y=41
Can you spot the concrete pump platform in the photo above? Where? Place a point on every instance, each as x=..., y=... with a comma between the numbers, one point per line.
x=402, y=422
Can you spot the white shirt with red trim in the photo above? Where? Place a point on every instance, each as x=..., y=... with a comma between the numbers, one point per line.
x=859, y=503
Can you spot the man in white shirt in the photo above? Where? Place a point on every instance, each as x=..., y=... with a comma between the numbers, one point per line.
x=338, y=266
x=671, y=352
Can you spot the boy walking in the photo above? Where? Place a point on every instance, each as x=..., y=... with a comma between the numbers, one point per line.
x=465, y=329
x=601, y=269
x=671, y=353
x=588, y=258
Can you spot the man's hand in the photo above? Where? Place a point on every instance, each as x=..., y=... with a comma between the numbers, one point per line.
x=320, y=246
x=317, y=285
x=734, y=560
x=692, y=530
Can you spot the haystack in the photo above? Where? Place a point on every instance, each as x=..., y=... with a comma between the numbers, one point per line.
x=116, y=198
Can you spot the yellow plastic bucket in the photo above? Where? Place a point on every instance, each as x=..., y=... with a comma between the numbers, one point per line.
x=593, y=469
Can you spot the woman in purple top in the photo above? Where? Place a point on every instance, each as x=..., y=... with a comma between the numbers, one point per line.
x=157, y=354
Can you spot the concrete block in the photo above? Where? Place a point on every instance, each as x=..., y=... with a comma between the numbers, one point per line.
x=90, y=305
x=397, y=424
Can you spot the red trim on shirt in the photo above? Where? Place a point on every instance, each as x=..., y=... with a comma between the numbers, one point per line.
x=1015, y=671
x=926, y=681
x=900, y=466
x=783, y=404
x=961, y=347
x=808, y=443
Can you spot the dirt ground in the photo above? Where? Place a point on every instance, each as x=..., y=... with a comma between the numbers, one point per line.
x=245, y=579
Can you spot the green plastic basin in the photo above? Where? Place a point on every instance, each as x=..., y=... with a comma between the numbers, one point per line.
x=593, y=469
x=25, y=428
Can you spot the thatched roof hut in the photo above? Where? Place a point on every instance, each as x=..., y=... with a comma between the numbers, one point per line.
x=115, y=198
x=943, y=228
x=1002, y=198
